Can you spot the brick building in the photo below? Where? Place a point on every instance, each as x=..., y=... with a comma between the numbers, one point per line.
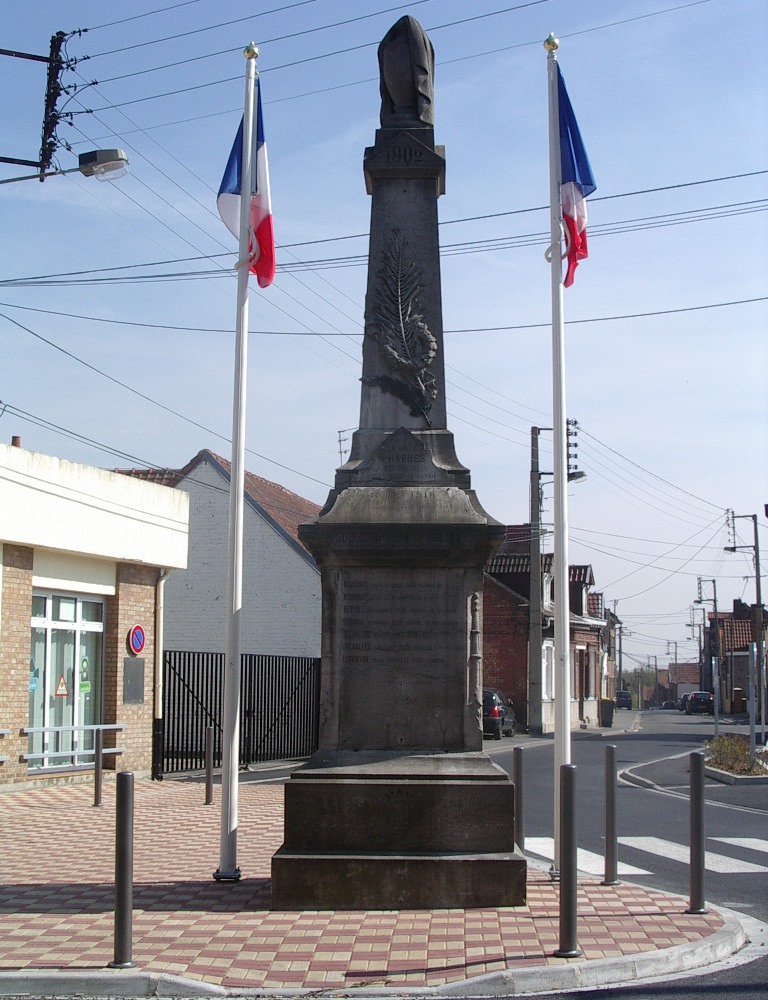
x=505, y=643
x=731, y=640
x=507, y=619
x=83, y=557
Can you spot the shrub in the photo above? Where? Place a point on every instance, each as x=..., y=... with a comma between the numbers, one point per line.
x=731, y=753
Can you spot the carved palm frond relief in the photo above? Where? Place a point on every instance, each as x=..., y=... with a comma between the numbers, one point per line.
x=396, y=323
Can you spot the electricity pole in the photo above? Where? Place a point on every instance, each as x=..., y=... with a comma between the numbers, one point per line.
x=715, y=675
x=51, y=117
x=757, y=616
x=535, y=721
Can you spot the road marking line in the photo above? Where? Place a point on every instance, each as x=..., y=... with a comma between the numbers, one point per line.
x=678, y=852
x=586, y=861
x=751, y=843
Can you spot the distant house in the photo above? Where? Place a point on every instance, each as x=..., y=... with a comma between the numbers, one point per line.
x=506, y=622
x=731, y=641
x=281, y=582
x=683, y=679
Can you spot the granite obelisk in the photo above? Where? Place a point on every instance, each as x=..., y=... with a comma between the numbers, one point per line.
x=400, y=807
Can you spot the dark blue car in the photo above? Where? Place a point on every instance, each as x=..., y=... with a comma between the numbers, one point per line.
x=498, y=715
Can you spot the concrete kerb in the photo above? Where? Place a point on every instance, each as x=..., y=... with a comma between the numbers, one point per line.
x=644, y=967
x=700, y=957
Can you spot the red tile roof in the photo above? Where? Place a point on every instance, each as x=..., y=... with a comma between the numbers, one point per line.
x=734, y=633
x=286, y=510
x=162, y=477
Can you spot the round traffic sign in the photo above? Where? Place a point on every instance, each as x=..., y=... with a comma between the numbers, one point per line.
x=136, y=639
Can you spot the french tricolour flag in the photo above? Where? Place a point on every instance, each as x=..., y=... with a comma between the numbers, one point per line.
x=261, y=237
x=576, y=183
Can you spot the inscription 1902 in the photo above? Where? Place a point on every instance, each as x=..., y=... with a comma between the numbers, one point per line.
x=404, y=154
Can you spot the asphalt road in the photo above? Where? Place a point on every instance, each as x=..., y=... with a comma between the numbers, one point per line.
x=653, y=829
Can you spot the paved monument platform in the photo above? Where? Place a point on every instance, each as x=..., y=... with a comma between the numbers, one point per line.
x=194, y=936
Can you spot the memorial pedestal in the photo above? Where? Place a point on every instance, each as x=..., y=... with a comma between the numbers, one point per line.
x=400, y=808
x=387, y=830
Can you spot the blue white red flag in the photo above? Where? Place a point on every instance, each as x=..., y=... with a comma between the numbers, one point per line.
x=261, y=237
x=576, y=182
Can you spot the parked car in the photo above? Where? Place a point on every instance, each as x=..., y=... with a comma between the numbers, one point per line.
x=498, y=714
x=623, y=699
x=700, y=701
x=669, y=704
x=683, y=702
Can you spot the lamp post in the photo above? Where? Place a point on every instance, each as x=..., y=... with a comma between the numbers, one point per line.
x=757, y=623
x=103, y=164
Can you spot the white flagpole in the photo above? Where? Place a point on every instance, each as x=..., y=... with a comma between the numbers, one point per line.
x=561, y=569
x=228, y=870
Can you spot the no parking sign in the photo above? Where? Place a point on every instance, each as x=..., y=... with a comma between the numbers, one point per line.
x=136, y=639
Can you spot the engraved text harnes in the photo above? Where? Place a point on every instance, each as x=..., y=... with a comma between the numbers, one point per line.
x=407, y=347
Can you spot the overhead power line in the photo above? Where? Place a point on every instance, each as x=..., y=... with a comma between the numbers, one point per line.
x=354, y=48
x=353, y=236
x=141, y=395
x=137, y=17
x=262, y=41
x=314, y=333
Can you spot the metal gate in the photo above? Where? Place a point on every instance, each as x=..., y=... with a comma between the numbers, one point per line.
x=279, y=708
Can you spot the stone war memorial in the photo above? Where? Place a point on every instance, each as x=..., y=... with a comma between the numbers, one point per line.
x=400, y=808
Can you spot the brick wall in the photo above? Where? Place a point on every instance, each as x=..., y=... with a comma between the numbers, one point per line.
x=16, y=610
x=133, y=603
x=505, y=644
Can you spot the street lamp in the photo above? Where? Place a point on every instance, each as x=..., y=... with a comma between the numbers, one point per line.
x=103, y=164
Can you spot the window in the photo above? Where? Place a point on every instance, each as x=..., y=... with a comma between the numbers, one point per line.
x=65, y=679
x=593, y=676
x=547, y=673
x=574, y=679
x=547, y=584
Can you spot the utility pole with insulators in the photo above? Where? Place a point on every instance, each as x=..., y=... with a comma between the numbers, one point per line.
x=572, y=432
x=50, y=142
x=51, y=116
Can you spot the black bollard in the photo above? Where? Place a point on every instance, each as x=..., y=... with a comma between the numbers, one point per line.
x=697, y=863
x=569, y=947
x=611, y=843
x=209, y=765
x=124, y=873
x=98, y=765
x=517, y=779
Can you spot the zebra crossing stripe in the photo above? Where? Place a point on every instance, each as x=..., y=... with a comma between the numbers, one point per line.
x=751, y=843
x=678, y=852
x=586, y=861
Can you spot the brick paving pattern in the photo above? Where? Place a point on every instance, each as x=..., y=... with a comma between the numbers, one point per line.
x=56, y=903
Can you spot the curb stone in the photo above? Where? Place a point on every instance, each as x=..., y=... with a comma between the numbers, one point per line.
x=736, y=932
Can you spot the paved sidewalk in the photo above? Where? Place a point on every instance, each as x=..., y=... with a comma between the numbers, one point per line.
x=56, y=913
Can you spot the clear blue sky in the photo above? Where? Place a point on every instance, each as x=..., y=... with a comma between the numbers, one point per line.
x=666, y=347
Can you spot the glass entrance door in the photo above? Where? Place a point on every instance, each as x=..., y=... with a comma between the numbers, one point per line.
x=65, y=679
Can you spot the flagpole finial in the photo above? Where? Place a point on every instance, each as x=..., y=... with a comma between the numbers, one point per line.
x=251, y=52
x=552, y=44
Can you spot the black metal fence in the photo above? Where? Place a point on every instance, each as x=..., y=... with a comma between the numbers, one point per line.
x=279, y=709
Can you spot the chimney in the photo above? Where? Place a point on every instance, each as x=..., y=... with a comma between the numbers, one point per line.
x=16, y=441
